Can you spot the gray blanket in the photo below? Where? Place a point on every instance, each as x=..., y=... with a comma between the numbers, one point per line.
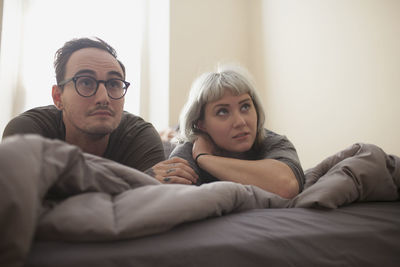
x=50, y=190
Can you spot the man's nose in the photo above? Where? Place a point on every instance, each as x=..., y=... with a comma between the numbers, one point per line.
x=102, y=94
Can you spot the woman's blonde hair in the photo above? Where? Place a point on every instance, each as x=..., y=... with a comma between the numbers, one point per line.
x=210, y=87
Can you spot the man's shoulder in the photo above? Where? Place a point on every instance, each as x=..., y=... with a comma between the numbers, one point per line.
x=135, y=142
x=128, y=117
x=131, y=122
x=133, y=126
x=44, y=121
x=49, y=111
x=45, y=116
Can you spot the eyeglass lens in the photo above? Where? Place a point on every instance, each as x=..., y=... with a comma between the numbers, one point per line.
x=87, y=86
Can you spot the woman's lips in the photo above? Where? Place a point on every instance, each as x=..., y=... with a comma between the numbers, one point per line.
x=241, y=135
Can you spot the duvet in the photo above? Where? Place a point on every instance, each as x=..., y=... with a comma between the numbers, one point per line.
x=50, y=190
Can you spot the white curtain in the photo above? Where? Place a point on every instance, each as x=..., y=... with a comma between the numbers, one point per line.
x=32, y=31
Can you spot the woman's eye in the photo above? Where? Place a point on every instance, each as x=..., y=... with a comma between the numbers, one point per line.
x=245, y=107
x=222, y=112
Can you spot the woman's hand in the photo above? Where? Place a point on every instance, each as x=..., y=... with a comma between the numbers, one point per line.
x=173, y=171
x=203, y=144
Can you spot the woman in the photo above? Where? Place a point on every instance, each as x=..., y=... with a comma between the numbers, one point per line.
x=222, y=125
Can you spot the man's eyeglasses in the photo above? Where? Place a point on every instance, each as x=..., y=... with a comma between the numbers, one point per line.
x=87, y=86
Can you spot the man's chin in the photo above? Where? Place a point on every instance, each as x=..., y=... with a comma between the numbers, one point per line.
x=100, y=130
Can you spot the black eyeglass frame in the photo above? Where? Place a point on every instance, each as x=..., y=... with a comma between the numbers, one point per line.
x=75, y=78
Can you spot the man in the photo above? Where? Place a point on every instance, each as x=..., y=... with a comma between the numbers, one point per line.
x=88, y=112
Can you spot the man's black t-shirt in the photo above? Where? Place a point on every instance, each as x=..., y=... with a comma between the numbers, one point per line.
x=135, y=143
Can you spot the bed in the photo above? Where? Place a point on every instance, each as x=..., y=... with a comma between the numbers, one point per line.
x=62, y=207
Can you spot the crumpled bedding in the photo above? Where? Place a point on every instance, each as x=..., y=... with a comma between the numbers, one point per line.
x=50, y=190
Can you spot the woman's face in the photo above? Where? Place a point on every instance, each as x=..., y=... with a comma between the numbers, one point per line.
x=231, y=122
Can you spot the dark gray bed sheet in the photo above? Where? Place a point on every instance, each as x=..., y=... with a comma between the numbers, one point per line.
x=361, y=234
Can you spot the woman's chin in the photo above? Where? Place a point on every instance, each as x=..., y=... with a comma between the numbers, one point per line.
x=239, y=148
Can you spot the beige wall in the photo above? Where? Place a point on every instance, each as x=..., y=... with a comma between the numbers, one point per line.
x=328, y=71
x=333, y=73
x=202, y=34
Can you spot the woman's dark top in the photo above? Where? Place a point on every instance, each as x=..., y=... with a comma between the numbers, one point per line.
x=275, y=146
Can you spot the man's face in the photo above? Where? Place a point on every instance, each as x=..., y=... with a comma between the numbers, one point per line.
x=97, y=115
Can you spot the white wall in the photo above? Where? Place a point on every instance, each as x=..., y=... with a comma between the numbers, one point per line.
x=333, y=73
x=9, y=61
x=154, y=80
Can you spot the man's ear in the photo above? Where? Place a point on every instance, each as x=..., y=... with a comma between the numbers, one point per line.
x=56, y=92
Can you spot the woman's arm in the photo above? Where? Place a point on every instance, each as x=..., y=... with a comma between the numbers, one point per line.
x=269, y=174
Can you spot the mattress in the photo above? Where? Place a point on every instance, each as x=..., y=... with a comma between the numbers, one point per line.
x=360, y=234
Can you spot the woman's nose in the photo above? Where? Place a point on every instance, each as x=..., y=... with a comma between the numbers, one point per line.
x=239, y=120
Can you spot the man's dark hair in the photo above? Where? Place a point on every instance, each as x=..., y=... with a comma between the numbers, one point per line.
x=64, y=53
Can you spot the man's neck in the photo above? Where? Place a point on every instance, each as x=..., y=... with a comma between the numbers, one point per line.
x=92, y=144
